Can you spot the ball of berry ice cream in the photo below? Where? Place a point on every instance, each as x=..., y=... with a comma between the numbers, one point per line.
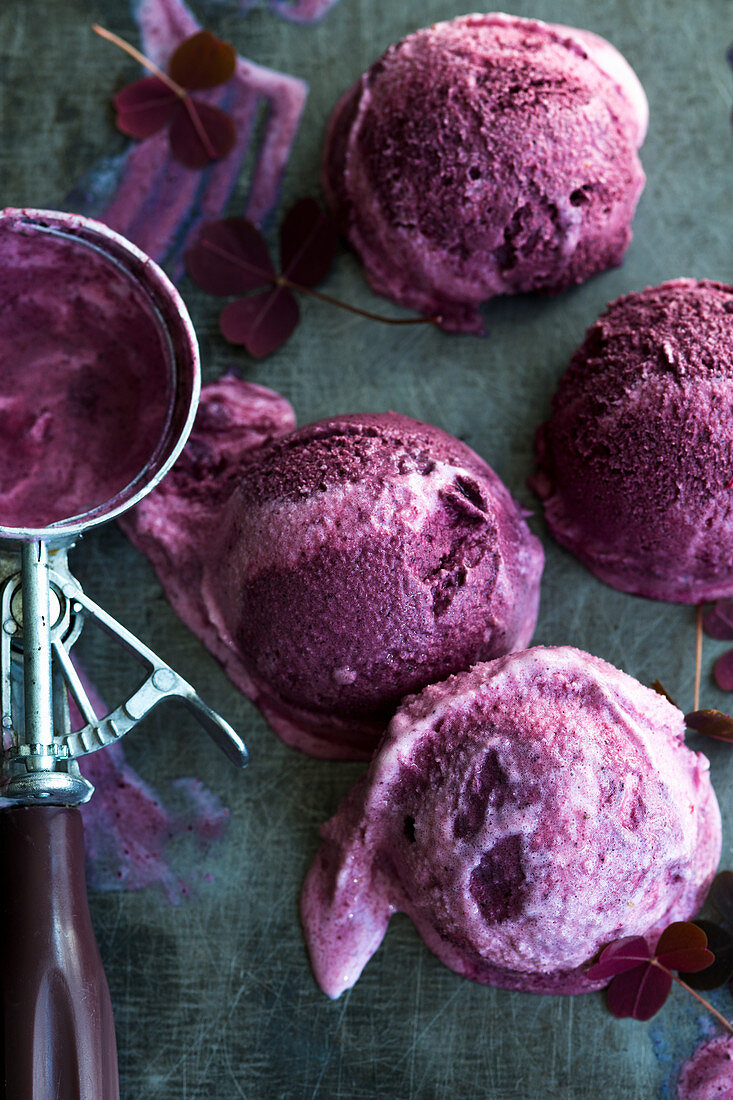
x=487, y=155
x=523, y=814
x=341, y=566
x=635, y=464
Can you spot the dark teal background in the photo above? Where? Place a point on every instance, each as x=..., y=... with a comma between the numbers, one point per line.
x=214, y=998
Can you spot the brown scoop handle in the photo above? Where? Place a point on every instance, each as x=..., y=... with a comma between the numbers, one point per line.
x=59, y=1038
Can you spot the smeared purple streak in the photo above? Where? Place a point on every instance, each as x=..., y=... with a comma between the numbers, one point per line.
x=297, y=11
x=157, y=202
x=127, y=828
x=302, y=11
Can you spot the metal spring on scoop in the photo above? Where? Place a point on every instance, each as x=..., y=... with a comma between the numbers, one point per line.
x=42, y=611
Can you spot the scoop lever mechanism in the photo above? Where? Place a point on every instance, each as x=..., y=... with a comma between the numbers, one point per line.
x=42, y=610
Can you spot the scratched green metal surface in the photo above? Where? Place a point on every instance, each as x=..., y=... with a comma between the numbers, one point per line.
x=213, y=998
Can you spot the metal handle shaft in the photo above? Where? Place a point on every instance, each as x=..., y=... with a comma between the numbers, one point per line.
x=37, y=677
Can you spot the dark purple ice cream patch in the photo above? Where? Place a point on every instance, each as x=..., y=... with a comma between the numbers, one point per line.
x=487, y=792
x=498, y=882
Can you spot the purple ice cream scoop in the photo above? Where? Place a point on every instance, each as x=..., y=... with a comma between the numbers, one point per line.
x=487, y=155
x=709, y=1073
x=635, y=464
x=341, y=566
x=524, y=815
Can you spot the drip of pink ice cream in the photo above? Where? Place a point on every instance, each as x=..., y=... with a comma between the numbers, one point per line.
x=709, y=1073
x=487, y=155
x=85, y=384
x=635, y=464
x=339, y=567
x=523, y=814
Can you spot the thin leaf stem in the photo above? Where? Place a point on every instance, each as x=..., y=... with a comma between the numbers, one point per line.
x=283, y=281
x=270, y=279
x=698, y=656
x=706, y=1004
x=115, y=39
x=198, y=126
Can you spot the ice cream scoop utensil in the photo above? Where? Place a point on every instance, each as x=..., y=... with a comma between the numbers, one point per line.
x=59, y=1036
x=31, y=779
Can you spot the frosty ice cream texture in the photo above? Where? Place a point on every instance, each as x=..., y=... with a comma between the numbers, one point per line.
x=635, y=465
x=709, y=1073
x=487, y=155
x=341, y=566
x=523, y=814
x=84, y=376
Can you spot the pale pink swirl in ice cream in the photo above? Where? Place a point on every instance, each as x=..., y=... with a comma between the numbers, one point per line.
x=523, y=814
x=709, y=1073
x=340, y=566
x=487, y=155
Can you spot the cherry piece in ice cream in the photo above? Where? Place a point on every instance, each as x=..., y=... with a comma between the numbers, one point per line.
x=340, y=566
x=635, y=464
x=487, y=155
x=523, y=814
x=85, y=375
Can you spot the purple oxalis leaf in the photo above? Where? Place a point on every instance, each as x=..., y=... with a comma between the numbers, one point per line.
x=689, y=959
x=202, y=61
x=680, y=935
x=721, y=895
x=684, y=946
x=262, y=322
x=145, y=107
x=230, y=256
x=661, y=690
x=723, y=671
x=308, y=243
x=157, y=202
x=201, y=133
x=720, y=942
x=718, y=622
x=713, y=723
x=639, y=993
x=621, y=955
x=641, y=982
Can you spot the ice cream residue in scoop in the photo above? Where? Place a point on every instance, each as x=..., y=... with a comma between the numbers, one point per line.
x=85, y=375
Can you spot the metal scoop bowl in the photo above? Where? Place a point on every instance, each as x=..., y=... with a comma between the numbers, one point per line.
x=59, y=1036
